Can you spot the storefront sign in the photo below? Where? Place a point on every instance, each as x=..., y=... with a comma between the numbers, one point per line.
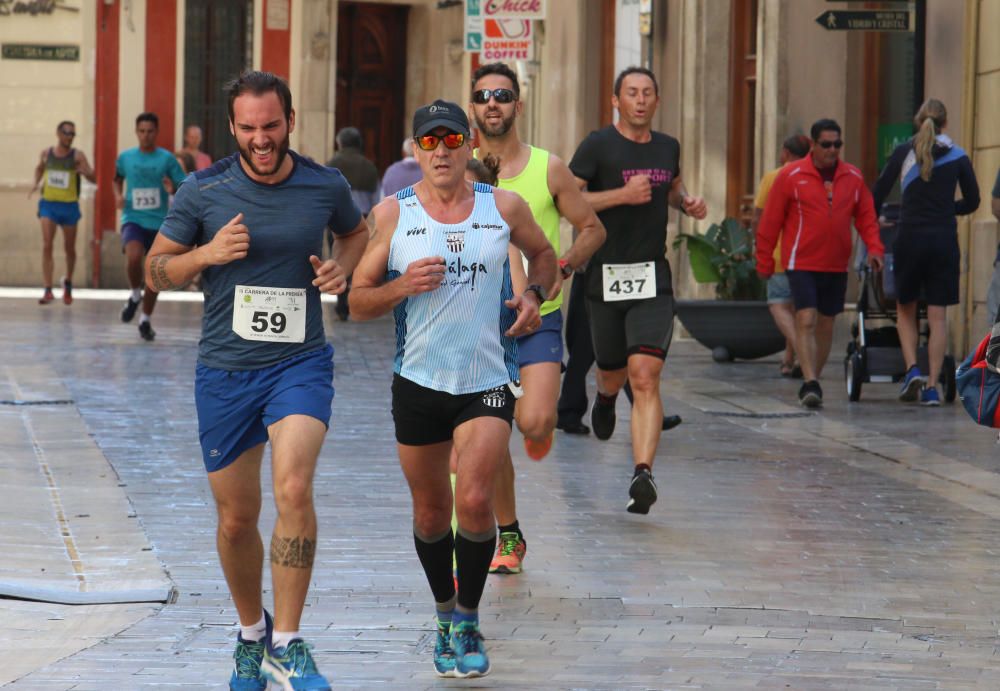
x=473, y=39
x=866, y=20
x=30, y=51
x=508, y=39
x=32, y=7
x=513, y=9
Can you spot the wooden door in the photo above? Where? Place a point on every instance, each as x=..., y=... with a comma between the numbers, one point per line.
x=371, y=76
x=741, y=177
x=218, y=45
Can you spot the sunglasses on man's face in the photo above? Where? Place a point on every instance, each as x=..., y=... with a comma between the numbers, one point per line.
x=827, y=144
x=429, y=142
x=482, y=96
x=67, y=134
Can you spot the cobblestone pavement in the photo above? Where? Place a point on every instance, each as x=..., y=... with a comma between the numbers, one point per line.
x=853, y=548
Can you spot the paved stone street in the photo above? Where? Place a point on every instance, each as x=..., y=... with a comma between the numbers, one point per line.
x=855, y=548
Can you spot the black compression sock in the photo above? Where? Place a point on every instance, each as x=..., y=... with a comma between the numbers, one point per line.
x=436, y=558
x=605, y=399
x=474, y=556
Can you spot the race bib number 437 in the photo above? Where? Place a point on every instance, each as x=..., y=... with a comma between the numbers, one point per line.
x=270, y=314
x=629, y=281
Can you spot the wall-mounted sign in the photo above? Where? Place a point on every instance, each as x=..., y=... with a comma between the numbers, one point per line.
x=473, y=39
x=32, y=51
x=866, y=20
x=33, y=7
x=512, y=9
x=508, y=39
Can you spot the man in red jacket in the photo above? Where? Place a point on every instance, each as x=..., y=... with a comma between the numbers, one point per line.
x=811, y=205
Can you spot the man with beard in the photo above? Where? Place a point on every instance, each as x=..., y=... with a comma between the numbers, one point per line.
x=631, y=175
x=439, y=260
x=142, y=196
x=253, y=226
x=545, y=182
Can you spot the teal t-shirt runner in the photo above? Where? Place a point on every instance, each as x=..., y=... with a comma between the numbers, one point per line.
x=146, y=198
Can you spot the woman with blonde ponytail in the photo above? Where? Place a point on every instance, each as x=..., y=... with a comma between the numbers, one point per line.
x=926, y=254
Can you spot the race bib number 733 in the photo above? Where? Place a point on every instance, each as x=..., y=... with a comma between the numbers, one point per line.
x=270, y=314
x=629, y=281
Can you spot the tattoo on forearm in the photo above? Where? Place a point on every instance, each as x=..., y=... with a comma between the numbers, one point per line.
x=158, y=273
x=294, y=552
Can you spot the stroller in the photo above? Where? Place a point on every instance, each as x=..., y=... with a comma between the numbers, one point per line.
x=874, y=353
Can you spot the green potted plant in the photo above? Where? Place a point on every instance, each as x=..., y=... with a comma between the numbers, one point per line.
x=737, y=324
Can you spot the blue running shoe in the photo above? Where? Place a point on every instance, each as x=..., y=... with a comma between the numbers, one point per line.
x=444, y=656
x=247, y=676
x=929, y=396
x=291, y=668
x=470, y=653
x=912, y=383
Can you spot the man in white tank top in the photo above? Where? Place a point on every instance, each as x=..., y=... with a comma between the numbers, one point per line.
x=438, y=259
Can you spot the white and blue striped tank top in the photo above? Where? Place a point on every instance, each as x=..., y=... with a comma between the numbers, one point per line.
x=452, y=339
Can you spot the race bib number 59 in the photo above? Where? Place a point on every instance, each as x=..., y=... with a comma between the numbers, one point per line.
x=270, y=314
x=629, y=281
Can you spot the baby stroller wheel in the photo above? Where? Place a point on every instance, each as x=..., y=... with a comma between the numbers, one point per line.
x=947, y=378
x=854, y=373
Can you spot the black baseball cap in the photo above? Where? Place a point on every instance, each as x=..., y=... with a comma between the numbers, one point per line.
x=440, y=114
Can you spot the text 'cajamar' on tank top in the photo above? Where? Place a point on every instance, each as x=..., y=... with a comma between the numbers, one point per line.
x=452, y=338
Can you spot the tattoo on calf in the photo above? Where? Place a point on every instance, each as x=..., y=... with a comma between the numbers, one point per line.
x=294, y=552
x=158, y=273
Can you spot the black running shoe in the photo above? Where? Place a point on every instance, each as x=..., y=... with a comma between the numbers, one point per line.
x=670, y=421
x=811, y=395
x=573, y=427
x=146, y=331
x=642, y=492
x=128, y=311
x=602, y=419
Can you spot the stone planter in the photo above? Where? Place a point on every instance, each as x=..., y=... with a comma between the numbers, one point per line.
x=731, y=328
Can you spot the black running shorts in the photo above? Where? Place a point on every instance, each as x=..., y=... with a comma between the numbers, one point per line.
x=927, y=264
x=426, y=416
x=628, y=327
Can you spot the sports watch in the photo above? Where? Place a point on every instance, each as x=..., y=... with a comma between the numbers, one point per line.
x=537, y=290
x=565, y=269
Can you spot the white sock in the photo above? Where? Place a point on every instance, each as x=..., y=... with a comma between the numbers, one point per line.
x=281, y=639
x=136, y=294
x=254, y=633
x=143, y=318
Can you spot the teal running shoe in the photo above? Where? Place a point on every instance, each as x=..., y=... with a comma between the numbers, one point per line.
x=444, y=656
x=470, y=653
x=291, y=668
x=247, y=676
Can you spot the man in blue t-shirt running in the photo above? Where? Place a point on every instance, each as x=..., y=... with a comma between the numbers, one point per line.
x=142, y=174
x=252, y=225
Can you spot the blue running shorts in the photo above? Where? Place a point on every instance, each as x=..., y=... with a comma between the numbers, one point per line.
x=134, y=231
x=62, y=213
x=235, y=407
x=543, y=345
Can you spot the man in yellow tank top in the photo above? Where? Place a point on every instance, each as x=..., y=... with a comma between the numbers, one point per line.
x=58, y=174
x=546, y=183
